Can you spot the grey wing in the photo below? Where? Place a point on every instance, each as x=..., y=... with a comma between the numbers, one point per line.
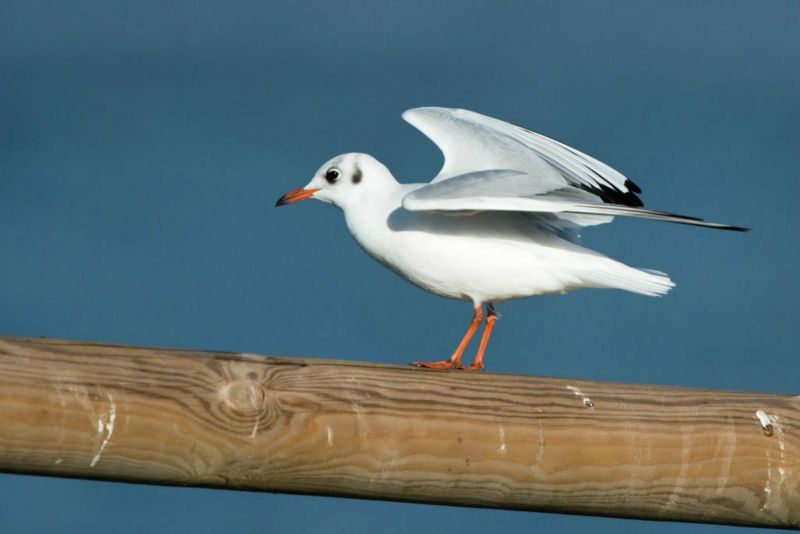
x=491, y=165
x=471, y=142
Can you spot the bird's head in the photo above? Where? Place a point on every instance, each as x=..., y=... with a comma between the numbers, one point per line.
x=344, y=181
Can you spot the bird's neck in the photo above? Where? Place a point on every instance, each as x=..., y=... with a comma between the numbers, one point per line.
x=368, y=219
x=370, y=208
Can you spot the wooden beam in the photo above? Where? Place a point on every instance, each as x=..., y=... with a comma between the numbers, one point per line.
x=321, y=427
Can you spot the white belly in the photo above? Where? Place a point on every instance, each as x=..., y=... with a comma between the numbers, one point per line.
x=481, y=258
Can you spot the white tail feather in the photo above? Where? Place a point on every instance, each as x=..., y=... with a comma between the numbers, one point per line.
x=620, y=276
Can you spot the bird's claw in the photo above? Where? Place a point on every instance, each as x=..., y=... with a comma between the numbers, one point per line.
x=446, y=364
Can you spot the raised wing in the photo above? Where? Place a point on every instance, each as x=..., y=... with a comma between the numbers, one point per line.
x=491, y=165
x=474, y=142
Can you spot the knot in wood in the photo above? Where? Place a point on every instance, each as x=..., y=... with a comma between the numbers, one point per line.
x=245, y=397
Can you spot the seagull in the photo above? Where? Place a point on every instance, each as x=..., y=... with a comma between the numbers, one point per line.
x=500, y=221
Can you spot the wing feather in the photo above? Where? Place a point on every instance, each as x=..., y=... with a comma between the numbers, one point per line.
x=471, y=142
x=491, y=165
x=510, y=190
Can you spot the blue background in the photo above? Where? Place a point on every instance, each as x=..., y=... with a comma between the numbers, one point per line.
x=143, y=144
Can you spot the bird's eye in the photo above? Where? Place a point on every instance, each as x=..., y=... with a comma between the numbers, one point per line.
x=332, y=175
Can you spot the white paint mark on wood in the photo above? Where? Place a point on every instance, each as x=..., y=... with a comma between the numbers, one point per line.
x=503, y=449
x=775, y=476
x=362, y=423
x=766, y=421
x=589, y=403
x=781, y=447
x=105, y=427
x=330, y=436
x=672, y=501
x=256, y=396
x=767, y=483
x=255, y=426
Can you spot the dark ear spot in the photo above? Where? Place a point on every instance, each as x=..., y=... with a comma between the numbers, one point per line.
x=357, y=175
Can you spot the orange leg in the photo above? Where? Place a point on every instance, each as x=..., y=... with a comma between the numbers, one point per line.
x=455, y=360
x=491, y=318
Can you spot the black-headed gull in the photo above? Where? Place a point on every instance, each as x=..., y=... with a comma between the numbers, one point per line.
x=500, y=221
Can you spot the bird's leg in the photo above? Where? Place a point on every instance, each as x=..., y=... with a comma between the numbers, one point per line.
x=455, y=360
x=491, y=318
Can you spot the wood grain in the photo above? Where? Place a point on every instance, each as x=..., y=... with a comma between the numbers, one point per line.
x=380, y=432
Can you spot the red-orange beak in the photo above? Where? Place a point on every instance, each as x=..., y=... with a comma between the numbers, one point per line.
x=295, y=195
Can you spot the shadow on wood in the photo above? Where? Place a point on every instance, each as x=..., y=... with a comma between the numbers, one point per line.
x=320, y=427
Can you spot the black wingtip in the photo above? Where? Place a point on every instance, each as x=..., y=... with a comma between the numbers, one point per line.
x=610, y=195
x=697, y=221
x=735, y=228
x=631, y=186
x=665, y=216
x=716, y=226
